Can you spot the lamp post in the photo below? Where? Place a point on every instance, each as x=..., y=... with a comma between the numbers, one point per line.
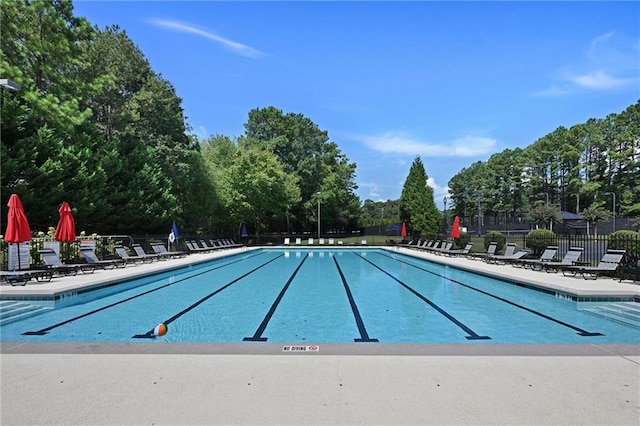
x=613, y=210
x=444, y=219
x=318, y=214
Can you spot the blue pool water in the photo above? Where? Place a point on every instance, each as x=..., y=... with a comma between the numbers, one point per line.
x=319, y=296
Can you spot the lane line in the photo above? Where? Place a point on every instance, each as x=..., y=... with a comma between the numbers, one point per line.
x=364, y=336
x=46, y=330
x=579, y=331
x=149, y=334
x=471, y=335
x=257, y=336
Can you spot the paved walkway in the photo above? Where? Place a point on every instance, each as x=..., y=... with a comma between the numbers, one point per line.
x=341, y=384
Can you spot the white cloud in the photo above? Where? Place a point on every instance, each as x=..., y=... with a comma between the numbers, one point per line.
x=238, y=48
x=610, y=62
x=599, y=80
x=439, y=192
x=401, y=143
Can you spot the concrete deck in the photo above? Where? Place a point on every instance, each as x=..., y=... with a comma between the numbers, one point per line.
x=340, y=384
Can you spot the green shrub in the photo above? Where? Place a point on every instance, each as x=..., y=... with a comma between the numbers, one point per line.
x=538, y=239
x=628, y=241
x=463, y=240
x=495, y=236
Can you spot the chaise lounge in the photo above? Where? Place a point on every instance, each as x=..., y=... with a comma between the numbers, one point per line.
x=607, y=266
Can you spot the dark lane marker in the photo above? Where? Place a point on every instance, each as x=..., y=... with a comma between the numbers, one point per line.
x=579, y=330
x=44, y=331
x=471, y=334
x=364, y=336
x=149, y=334
x=257, y=336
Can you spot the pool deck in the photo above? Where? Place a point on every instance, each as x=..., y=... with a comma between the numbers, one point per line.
x=246, y=383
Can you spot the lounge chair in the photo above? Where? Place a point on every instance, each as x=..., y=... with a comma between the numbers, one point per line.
x=461, y=252
x=143, y=254
x=287, y=241
x=509, y=255
x=124, y=254
x=310, y=241
x=504, y=259
x=53, y=262
x=491, y=251
x=90, y=257
x=298, y=241
x=426, y=245
x=228, y=243
x=570, y=258
x=363, y=242
x=195, y=248
x=445, y=247
x=411, y=243
x=321, y=241
x=159, y=248
x=607, y=266
x=23, y=276
x=331, y=241
x=547, y=256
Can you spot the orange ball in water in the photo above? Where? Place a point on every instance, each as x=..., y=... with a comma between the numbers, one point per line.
x=160, y=330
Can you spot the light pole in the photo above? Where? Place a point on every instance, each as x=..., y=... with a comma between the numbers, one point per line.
x=613, y=209
x=318, y=214
x=444, y=218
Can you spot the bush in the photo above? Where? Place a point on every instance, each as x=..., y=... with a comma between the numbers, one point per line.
x=538, y=239
x=463, y=240
x=495, y=236
x=628, y=241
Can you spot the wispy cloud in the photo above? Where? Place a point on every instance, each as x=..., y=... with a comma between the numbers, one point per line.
x=609, y=63
x=600, y=80
x=238, y=48
x=401, y=143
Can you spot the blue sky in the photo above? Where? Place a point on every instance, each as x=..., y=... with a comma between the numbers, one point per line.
x=452, y=82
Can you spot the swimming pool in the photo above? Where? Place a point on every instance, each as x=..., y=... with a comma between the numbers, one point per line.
x=319, y=295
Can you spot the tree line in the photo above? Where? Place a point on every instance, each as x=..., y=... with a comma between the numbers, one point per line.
x=584, y=169
x=95, y=125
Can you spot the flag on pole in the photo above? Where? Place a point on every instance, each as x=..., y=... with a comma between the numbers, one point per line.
x=174, y=235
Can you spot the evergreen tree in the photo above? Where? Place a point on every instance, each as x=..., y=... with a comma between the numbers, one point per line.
x=417, y=207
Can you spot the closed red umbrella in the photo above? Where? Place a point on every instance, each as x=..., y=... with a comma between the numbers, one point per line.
x=18, y=230
x=66, y=229
x=403, y=232
x=455, y=229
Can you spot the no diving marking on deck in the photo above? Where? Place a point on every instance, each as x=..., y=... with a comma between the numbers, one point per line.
x=311, y=348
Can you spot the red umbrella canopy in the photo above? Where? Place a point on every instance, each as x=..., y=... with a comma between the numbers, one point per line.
x=403, y=233
x=18, y=230
x=455, y=229
x=66, y=229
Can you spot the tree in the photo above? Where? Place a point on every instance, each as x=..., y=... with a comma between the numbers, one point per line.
x=594, y=214
x=417, y=207
x=258, y=189
x=545, y=215
x=305, y=151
